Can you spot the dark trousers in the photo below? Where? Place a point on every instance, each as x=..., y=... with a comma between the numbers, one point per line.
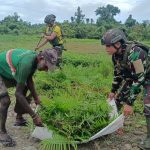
x=6, y=83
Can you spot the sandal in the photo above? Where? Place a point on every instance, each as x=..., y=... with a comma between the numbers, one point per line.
x=20, y=122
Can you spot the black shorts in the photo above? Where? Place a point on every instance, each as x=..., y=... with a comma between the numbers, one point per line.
x=4, y=84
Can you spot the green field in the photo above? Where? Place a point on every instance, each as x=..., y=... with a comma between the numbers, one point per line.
x=30, y=42
x=74, y=98
x=83, y=82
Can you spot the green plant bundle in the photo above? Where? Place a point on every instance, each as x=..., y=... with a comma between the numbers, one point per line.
x=74, y=101
x=76, y=119
x=58, y=143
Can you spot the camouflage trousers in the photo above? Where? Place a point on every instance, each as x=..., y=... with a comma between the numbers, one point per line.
x=146, y=99
x=125, y=91
x=4, y=84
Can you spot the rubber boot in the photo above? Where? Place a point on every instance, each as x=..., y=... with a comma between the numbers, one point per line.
x=146, y=143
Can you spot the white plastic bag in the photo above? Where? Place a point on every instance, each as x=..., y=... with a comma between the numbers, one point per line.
x=113, y=126
x=114, y=112
x=42, y=133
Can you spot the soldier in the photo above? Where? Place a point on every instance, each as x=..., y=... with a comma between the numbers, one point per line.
x=17, y=67
x=53, y=35
x=131, y=71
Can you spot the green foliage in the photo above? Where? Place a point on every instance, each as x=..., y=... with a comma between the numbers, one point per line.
x=76, y=116
x=74, y=99
x=107, y=13
x=68, y=29
x=130, y=22
x=79, y=16
x=15, y=25
x=138, y=105
x=74, y=102
x=83, y=60
x=58, y=143
x=77, y=92
x=81, y=26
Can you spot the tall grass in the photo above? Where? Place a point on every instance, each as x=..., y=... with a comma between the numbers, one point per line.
x=74, y=98
x=74, y=101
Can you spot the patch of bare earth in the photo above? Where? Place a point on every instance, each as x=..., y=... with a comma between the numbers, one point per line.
x=20, y=134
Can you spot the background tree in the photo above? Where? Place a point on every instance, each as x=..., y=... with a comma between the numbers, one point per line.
x=76, y=28
x=79, y=17
x=72, y=19
x=130, y=22
x=106, y=14
x=91, y=21
x=146, y=23
x=87, y=20
x=14, y=25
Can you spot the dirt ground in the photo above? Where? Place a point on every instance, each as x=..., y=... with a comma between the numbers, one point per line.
x=134, y=132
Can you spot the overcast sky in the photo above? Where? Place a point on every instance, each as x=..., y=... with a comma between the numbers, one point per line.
x=34, y=11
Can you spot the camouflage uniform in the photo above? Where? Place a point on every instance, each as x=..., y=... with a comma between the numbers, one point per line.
x=131, y=70
x=130, y=76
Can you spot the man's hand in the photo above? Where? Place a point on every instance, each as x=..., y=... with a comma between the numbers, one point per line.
x=127, y=110
x=37, y=121
x=111, y=96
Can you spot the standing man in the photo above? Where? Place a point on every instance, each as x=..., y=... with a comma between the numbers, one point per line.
x=131, y=70
x=53, y=35
x=17, y=67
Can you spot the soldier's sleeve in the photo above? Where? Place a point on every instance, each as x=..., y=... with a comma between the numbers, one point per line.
x=117, y=77
x=137, y=60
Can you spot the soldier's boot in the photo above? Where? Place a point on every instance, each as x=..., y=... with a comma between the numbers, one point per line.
x=146, y=143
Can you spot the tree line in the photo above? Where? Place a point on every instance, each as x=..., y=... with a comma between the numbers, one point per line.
x=79, y=26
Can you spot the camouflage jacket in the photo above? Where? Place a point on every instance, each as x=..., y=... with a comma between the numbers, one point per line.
x=135, y=70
